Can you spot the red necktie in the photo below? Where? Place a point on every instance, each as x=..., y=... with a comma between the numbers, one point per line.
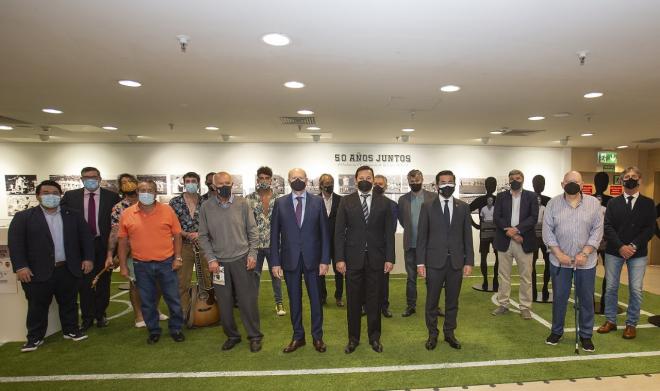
x=91, y=214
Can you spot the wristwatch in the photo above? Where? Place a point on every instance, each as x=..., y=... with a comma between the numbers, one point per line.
x=633, y=246
x=178, y=259
x=584, y=254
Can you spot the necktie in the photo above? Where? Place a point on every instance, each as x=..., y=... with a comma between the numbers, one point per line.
x=91, y=214
x=445, y=215
x=299, y=210
x=629, y=204
x=365, y=208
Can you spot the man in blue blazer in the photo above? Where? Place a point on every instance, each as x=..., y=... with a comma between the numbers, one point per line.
x=50, y=247
x=515, y=215
x=300, y=247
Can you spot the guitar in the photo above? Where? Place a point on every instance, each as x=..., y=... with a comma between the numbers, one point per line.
x=204, y=310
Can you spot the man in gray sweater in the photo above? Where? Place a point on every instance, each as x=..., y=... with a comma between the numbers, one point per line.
x=228, y=238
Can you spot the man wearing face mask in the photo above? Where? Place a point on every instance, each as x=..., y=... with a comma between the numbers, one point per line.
x=228, y=237
x=186, y=206
x=380, y=186
x=572, y=230
x=331, y=202
x=153, y=232
x=516, y=214
x=50, y=247
x=208, y=181
x=261, y=202
x=95, y=203
x=629, y=226
x=364, y=247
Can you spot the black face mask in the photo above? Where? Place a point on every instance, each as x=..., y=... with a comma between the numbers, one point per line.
x=631, y=183
x=378, y=190
x=298, y=185
x=415, y=187
x=515, y=185
x=572, y=188
x=328, y=189
x=224, y=191
x=446, y=190
x=364, y=186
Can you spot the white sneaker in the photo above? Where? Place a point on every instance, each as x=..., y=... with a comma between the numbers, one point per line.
x=163, y=317
x=140, y=324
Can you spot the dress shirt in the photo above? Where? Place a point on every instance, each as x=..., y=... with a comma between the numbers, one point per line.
x=56, y=227
x=515, y=208
x=328, y=203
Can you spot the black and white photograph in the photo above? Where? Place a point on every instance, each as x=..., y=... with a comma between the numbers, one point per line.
x=472, y=186
x=313, y=185
x=394, y=185
x=503, y=183
x=17, y=203
x=277, y=184
x=429, y=183
x=110, y=184
x=176, y=184
x=20, y=184
x=468, y=198
x=67, y=182
x=160, y=179
x=346, y=183
x=237, y=189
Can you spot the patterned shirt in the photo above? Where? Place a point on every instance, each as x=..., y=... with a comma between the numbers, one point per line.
x=263, y=221
x=117, y=210
x=188, y=223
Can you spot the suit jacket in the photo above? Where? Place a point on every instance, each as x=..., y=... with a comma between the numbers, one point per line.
x=623, y=227
x=31, y=244
x=405, y=218
x=288, y=241
x=353, y=236
x=332, y=218
x=435, y=244
x=75, y=199
x=529, y=214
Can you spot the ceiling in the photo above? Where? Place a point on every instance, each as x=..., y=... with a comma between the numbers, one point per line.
x=366, y=65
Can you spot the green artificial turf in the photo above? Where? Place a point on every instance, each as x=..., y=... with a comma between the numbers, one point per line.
x=121, y=348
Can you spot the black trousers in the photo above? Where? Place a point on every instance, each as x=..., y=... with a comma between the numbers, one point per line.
x=62, y=284
x=94, y=302
x=546, y=269
x=435, y=279
x=339, y=285
x=364, y=286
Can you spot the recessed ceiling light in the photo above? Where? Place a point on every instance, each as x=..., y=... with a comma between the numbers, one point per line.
x=622, y=147
x=305, y=112
x=407, y=130
x=450, y=88
x=110, y=127
x=5, y=127
x=496, y=132
x=592, y=95
x=563, y=114
x=313, y=128
x=294, y=84
x=587, y=134
x=536, y=118
x=52, y=111
x=130, y=83
x=276, y=39
x=212, y=128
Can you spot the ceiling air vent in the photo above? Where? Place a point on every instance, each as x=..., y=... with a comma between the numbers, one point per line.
x=649, y=141
x=519, y=132
x=12, y=121
x=298, y=121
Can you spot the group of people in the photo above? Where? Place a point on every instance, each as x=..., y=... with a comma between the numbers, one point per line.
x=58, y=247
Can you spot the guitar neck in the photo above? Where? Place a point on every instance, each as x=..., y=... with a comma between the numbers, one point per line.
x=201, y=281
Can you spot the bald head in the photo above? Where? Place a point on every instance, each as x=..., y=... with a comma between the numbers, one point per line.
x=573, y=176
x=297, y=173
x=222, y=179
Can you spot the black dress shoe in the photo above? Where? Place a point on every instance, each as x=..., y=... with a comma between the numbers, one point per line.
x=440, y=313
x=545, y=296
x=387, y=313
x=350, y=348
x=409, y=311
x=153, y=338
x=431, y=343
x=86, y=324
x=178, y=336
x=293, y=345
x=340, y=303
x=102, y=322
x=255, y=345
x=230, y=343
x=377, y=346
x=324, y=301
x=453, y=342
x=320, y=346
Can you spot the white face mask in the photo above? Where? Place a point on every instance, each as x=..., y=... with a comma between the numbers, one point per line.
x=50, y=201
x=146, y=198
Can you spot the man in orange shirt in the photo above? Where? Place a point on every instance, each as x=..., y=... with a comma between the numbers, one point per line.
x=154, y=234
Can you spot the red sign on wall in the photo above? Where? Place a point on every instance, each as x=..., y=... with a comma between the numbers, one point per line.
x=616, y=190
x=588, y=189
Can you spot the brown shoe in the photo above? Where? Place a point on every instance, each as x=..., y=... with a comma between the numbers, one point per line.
x=295, y=344
x=606, y=328
x=630, y=332
x=320, y=346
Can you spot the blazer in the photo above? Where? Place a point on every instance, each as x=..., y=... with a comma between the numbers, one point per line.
x=529, y=214
x=353, y=236
x=623, y=227
x=75, y=199
x=288, y=241
x=435, y=244
x=405, y=218
x=332, y=219
x=31, y=244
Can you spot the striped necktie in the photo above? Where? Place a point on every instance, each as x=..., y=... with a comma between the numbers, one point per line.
x=365, y=208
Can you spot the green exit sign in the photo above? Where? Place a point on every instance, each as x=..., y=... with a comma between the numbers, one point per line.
x=606, y=157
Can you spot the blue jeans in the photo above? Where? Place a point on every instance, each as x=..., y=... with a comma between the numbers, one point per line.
x=264, y=254
x=150, y=275
x=562, y=281
x=636, y=269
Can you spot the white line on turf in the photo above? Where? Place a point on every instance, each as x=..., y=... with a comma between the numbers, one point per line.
x=325, y=371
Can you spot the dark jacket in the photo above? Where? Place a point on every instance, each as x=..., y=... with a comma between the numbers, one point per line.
x=405, y=217
x=332, y=218
x=529, y=214
x=623, y=227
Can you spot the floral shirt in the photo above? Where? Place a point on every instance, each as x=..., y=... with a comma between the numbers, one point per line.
x=188, y=223
x=263, y=221
x=117, y=210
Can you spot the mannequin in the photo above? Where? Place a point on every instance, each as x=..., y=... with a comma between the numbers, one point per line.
x=485, y=204
x=601, y=181
x=539, y=185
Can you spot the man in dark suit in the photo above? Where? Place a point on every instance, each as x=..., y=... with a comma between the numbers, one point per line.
x=331, y=203
x=300, y=246
x=516, y=213
x=50, y=247
x=444, y=255
x=95, y=204
x=364, y=248
x=410, y=205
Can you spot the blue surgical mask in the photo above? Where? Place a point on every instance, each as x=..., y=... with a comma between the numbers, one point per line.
x=50, y=201
x=191, y=187
x=91, y=184
x=146, y=198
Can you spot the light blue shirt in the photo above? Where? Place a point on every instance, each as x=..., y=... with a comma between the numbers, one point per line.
x=56, y=228
x=295, y=203
x=227, y=204
x=415, y=207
